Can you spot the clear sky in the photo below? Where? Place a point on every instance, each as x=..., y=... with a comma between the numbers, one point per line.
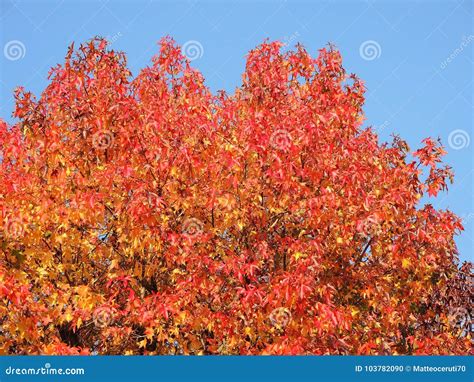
x=416, y=57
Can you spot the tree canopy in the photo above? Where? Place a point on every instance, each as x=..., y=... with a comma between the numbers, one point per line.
x=147, y=215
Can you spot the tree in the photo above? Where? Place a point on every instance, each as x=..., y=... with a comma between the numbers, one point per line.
x=148, y=216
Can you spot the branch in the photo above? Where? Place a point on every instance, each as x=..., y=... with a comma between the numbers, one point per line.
x=361, y=256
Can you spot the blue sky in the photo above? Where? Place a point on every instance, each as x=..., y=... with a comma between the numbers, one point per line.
x=416, y=57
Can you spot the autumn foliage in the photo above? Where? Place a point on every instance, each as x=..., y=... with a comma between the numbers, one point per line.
x=147, y=215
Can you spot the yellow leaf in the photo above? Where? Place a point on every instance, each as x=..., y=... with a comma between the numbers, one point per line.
x=113, y=264
x=68, y=316
x=299, y=254
x=354, y=312
x=406, y=263
x=142, y=344
x=149, y=333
